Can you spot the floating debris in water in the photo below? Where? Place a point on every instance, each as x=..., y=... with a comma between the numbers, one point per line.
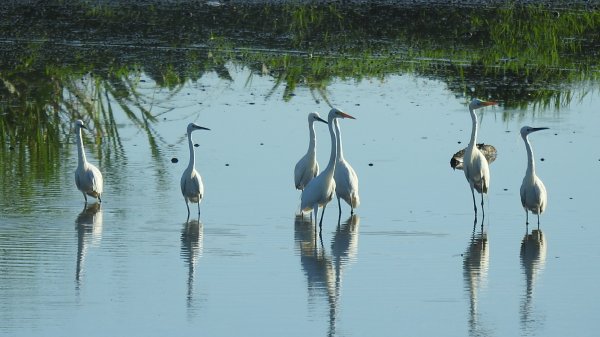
x=174, y=160
x=542, y=159
x=226, y=164
x=196, y=145
x=370, y=164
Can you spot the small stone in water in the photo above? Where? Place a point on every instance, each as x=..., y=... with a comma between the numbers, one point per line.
x=196, y=145
x=370, y=164
x=174, y=160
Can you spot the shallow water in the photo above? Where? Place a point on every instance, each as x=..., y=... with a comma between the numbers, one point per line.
x=410, y=262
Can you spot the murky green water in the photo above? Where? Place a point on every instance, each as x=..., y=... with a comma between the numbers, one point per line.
x=409, y=262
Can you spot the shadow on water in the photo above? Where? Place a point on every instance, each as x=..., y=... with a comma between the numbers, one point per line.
x=89, y=232
x=475, y=272
x=533, y=260
x=192, y=234
x=323, y=271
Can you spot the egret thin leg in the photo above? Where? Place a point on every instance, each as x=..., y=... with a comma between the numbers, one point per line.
x=321, y=221
x=339, y=206
x=474, y=204
x=482, y=209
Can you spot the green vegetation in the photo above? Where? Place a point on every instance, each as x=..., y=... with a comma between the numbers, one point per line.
x=85, y=61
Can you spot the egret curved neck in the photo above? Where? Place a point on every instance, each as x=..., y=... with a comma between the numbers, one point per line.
x=473, y=129
x=192, y=154
x=332, y=158
x=338, y=134
x=81, y=159
x=530, y=161
x=312, y=141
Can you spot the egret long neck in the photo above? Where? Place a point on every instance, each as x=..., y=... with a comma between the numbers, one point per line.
x=331, y=165
x=530, y=162
x=473, y=129
x=338, y=134
x=192, y=154
x=312, y=141
x=81, y=160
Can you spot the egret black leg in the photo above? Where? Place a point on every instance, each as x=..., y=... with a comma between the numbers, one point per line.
x=321, y=221
x=482, y=209
x=474, y=204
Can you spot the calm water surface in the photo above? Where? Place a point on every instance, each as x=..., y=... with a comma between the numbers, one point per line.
x=408, y=263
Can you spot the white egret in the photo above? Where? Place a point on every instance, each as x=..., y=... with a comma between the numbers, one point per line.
x=191, y=181
x=533, y=191
x=87, y=176
x=475, y=165
x=319, y=190
x=308, y=167
x=346, y=180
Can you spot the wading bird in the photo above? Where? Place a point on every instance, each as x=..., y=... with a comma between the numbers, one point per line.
x=191, y=181
x=320, y=190
x=475, y=165
x=308, y=167
x=533, y=191
x=346, y=180
x=489, y=152
x=87, y=176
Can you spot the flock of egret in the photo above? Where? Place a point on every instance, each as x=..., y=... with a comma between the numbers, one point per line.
x=475, y=163
x=339, y=177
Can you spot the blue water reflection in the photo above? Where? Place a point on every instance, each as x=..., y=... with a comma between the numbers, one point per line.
x=89, y=233
x=192, y=233
x=533, y=260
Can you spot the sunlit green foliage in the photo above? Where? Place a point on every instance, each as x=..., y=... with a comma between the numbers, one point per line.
x=84, y=60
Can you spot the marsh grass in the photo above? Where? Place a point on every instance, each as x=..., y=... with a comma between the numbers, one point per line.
x=91, y=65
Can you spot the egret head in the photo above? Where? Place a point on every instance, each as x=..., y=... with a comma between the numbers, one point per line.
x=335, y=113
x=193, y=126
x=314, y=116
x=526, y=130
x=476, y=103
x=79, y=124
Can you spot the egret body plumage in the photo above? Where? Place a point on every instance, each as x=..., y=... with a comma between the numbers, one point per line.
x=87, y=176
x=346, y=180
x=475, y=164
x=533, y=192
x=320, y=190
x=191, y=181
x=307, y=167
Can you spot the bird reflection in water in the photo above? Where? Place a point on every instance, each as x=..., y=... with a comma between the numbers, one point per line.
x=89, y=232
x=191, y=251
x=323, y=271
x=533, y=260
x=475, y=271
